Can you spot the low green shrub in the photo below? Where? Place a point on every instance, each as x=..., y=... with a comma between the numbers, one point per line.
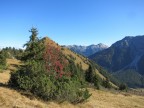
x=48, y=74
x=123, y=87
x=47, y=87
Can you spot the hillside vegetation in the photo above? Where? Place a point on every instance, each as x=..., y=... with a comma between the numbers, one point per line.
x=10, y=98
x=124, y=59
x=79, y=60
x=48, y=75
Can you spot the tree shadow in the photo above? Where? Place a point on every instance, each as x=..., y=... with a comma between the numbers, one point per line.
x=15, y=65
x=27, y=94
x=4, y=85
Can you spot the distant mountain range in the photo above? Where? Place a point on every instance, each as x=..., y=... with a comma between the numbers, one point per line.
x=87, y=50
x=125, y=60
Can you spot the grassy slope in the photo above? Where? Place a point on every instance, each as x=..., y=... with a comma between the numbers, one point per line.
x=10, y=98
x=78, y=58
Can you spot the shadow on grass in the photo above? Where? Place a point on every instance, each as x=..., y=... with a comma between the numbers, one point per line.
x=4, y=85
x=27, y=94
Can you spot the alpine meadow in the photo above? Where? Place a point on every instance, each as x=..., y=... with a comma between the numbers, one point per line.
x=71, y=54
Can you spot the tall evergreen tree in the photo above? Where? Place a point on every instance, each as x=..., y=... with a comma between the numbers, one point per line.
x=33, y=46
x=33, y=37
x=45, y=76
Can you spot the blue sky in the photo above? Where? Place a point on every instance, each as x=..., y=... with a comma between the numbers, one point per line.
x=81, y=22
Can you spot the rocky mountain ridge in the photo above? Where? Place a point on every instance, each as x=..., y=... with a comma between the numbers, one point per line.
x=125, y=56
x=87, y=50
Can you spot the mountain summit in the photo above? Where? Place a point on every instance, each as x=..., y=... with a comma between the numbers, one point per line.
x=87, y=50
x=125, y=59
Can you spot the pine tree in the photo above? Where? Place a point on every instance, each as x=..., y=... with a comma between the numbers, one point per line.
x=45, y=75
x=33, y=37
x=106, y=83
x=89, y=74
x=123, y=87
x=33, y=46
x=96, y=82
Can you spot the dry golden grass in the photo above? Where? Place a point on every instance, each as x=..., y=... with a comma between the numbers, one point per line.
x=99, y=99
x=13, y=61
x=5, y=75
x=13, y=64
x=66, y=52
x=78, y=60
x=50, y=42
x=103, y=99
x=10, y=98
